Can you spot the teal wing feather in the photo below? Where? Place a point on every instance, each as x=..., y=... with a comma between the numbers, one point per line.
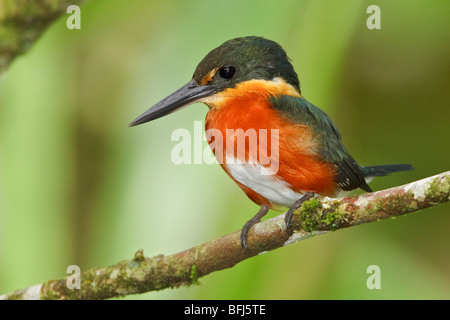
x=297, y=110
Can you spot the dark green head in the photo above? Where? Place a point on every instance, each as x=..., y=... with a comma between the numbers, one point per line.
x=235, y=61
x=245, y=59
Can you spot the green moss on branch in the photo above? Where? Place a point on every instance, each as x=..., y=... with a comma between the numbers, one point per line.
x=142, y=274
x=22, y=22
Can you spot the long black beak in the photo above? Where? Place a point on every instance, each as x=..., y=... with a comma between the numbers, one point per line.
x=187, y=94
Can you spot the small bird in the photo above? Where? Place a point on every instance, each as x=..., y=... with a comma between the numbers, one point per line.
x=249, y=84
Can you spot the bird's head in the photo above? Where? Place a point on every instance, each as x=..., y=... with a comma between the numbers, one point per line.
x=235, y=62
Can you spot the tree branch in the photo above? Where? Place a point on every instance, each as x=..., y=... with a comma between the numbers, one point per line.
x=22, y=22
x=314, y=217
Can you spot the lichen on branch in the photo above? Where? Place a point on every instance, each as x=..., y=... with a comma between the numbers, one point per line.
x=22, y=22
x=314, y=217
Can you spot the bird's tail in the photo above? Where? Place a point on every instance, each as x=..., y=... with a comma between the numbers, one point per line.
x=383, y=170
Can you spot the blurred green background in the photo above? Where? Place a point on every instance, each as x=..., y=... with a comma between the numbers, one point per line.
x=77, y=186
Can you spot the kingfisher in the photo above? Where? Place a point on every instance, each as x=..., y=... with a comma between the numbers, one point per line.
x=251, y=87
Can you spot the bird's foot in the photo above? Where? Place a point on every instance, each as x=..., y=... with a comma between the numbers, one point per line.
x=257, y=218
x=295, y=206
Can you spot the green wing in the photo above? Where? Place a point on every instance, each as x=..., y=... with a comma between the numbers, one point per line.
x=298, y=110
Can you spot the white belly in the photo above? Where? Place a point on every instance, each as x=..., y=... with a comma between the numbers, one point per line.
x=271, y=187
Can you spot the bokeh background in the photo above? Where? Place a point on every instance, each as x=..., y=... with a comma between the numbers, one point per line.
x=77, y=186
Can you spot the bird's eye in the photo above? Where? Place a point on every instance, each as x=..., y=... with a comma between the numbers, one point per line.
x=227, y=72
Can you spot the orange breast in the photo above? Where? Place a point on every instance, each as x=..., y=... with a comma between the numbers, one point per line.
x=297, y=159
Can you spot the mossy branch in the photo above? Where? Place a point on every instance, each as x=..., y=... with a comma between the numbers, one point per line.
x=22, y=22
x=314, y=217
